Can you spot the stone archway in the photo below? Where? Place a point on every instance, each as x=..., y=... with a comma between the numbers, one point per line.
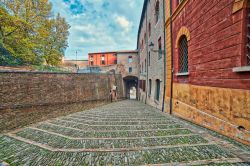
x=131, y=87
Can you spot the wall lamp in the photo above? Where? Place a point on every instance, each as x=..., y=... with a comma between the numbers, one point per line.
x=151, y=47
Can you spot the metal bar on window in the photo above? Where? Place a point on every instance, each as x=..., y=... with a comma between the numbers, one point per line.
x=183, y=57
x=248, y=39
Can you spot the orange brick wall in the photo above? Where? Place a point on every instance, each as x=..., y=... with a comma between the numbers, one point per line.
x=110, y=59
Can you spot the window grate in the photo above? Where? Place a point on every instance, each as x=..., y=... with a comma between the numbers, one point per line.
x=183, y=55
x=248, y=39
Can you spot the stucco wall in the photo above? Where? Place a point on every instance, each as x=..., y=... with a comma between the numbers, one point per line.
x=122, y=60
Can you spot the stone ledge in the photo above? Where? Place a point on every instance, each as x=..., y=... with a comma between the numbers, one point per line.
x=47, y=72
x=241, y=69
x=182, y=74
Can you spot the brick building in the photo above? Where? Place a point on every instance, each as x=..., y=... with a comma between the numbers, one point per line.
x=151, y=48
x=127, y=65
x=209, y=54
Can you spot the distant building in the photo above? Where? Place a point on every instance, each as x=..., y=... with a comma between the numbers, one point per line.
x=119, y=62
x=102, y=59
x=73, y=63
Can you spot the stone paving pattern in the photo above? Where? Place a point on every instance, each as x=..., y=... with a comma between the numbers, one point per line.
x=122, y=133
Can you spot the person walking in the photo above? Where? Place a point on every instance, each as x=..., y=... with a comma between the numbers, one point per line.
x=114, y=91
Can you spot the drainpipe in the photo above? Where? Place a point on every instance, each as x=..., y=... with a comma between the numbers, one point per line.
x=146, y=86
x=164, y=82
x=172, y=59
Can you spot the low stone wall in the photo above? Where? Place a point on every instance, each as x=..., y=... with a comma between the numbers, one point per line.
x=25, y=89
x=11, y=119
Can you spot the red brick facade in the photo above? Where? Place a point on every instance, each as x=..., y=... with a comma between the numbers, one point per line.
x=217, y=45
x=211, y=81
x=102, y=59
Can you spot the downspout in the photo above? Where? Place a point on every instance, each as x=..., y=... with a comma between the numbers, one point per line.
x=146, y=86
x=172, y=59
x=164, y=82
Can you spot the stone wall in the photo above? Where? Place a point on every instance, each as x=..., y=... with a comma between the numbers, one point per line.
x=152, y=63
x=24, y=89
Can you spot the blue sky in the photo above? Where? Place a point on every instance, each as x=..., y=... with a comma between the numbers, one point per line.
x=99, y=25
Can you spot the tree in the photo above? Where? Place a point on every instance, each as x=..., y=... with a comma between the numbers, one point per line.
x=13, y=36
x=57, y=40
x=37, y=36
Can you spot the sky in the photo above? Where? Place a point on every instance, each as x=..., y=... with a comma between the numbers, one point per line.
x=99, y=25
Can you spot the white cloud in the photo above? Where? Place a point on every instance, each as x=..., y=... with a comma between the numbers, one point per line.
x=98, y=28
x=123, y=22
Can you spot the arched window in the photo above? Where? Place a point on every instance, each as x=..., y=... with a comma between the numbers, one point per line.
x=149, y=29
x=157, y=11
x=183, y=54
x=149, y=59
x=157, y=89
x=150, y=87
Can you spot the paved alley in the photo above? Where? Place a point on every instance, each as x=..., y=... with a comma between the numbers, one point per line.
x=122, y=133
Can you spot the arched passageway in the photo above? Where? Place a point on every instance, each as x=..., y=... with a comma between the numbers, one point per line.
x=131, y=87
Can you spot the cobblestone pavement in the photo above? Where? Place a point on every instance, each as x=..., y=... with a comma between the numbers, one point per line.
x=122, y=133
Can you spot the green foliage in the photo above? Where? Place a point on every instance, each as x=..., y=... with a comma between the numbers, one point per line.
x=29, y=33
x=6, y=59
x=46, y=68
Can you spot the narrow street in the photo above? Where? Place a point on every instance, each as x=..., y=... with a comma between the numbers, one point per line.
x=122, y=133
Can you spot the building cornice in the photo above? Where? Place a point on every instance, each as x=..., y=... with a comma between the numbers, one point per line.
x=179, y=9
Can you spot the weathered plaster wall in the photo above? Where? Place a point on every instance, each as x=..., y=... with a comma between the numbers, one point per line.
x=122, y=60
x=23, y=89
x=219, y=109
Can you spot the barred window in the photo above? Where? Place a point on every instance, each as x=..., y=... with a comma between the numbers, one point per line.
x=183, y=55
x=248, y=38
